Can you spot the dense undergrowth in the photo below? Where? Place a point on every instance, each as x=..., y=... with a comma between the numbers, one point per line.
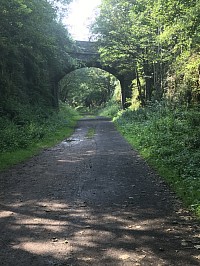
x=111, y=109
x=169, y=139
x=32, y=130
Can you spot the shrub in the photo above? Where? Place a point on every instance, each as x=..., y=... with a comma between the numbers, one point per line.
x=169, y=139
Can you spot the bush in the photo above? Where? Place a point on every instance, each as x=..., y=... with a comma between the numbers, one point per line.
x=111, y=109
x=31, y=125
x=169, y=139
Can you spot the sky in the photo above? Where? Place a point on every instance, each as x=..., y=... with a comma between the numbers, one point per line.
x=79, y=17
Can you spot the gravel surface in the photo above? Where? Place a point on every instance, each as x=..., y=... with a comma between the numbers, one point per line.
x=92, y=201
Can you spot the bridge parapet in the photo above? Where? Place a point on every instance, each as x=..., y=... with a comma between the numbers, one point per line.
x=87, y=47
x=86, y=53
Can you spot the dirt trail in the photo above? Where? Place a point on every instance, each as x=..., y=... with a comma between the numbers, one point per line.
x=92, y=201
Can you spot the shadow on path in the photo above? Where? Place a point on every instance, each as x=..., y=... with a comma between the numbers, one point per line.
x=92, y=202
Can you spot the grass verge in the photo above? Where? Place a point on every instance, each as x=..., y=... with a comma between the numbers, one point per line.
x=170, y=141
x=54, y=129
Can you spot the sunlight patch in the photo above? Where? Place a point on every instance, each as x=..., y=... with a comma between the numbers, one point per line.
x=45, y=247
x=6, y=214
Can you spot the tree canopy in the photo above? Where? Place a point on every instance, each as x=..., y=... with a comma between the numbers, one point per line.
x=157, y=40
x=34, y=52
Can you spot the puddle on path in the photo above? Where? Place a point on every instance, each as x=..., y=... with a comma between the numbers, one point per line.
x=71, y=140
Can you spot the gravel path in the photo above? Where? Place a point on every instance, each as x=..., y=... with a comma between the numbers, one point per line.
x=92, y=201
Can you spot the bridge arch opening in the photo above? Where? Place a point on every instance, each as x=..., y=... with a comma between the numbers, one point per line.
x=89, y=88
x=87, y=56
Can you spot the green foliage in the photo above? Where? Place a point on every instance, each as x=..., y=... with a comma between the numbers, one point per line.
x=111, y=109
x=113, y=106
x=87, y=88
x=170, y=141
x=33, y=130
x=183, y=81
x=157, y=41
x=34, y=56
x=34, y=53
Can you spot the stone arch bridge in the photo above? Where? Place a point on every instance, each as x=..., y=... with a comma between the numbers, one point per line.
x=87, y=55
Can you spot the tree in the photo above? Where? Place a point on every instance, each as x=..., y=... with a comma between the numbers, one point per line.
x=34, y=53
x=151, y=39
x=122, y=44
x=116, y=52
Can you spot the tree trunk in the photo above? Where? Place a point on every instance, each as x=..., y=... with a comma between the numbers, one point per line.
x=126, y=89
x=148, y=80
x=139, y=88
x=123, y=94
